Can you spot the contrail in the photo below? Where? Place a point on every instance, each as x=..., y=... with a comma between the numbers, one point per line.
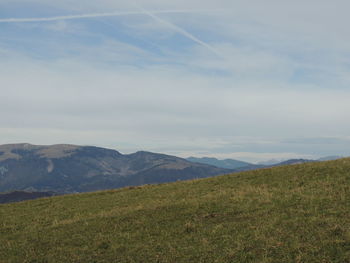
x=142, y=11
x=82, y=16
x=180, y=30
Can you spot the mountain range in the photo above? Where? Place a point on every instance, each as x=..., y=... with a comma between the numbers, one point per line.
x=70, y=168
x=244, y=166
x=32, y=171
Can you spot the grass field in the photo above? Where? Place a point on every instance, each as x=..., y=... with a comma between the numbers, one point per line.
x=298, y=213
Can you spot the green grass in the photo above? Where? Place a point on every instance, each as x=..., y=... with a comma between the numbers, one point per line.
x=298, y=213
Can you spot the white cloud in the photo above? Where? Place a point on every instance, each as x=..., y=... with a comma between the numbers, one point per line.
x=161, y=104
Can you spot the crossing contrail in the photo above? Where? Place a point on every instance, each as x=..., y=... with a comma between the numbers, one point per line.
x=180, y=30
x=93, y=15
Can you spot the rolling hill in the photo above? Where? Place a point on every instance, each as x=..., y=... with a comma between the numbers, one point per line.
x=293, y=213
x=70, y=168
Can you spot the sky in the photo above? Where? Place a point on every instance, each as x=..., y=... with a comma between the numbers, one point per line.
x=251, y=80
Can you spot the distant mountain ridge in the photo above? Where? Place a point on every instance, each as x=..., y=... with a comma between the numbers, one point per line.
x=69, y=168
x=244, y=166
x=17, y=196
x=227, y=163
x=294, y=161
x=330, y=158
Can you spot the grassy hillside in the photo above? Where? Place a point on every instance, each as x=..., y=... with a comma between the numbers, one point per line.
x=298, y=213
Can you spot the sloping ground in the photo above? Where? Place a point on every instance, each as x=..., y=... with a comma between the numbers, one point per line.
x=298, y=213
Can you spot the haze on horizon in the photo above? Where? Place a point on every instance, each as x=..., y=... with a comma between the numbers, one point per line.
x=230, y=79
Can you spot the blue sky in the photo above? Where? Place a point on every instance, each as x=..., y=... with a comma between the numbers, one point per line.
x=230, y=79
